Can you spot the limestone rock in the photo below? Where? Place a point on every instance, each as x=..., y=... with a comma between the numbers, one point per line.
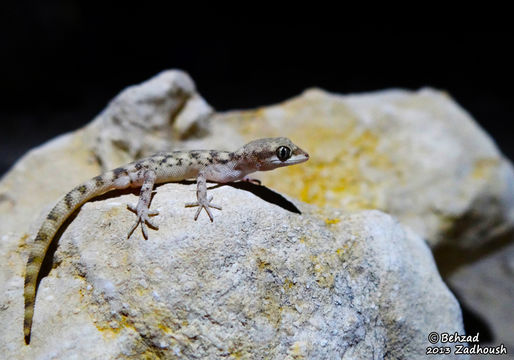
x=487, y=288
x=141, y=120
x=259, y=282
x=414, y=154
x=147, y=118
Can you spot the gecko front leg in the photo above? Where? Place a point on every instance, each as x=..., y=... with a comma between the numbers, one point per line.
x=201, y=196
x=142, y=208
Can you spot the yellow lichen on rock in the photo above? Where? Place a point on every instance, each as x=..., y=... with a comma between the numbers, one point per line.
x=483, y=168
x=341, y=149
x=332, y=221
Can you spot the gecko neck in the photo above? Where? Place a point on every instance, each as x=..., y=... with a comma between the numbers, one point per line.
x=248, y=163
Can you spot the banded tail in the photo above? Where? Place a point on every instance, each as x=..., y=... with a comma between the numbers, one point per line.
x=54, y=220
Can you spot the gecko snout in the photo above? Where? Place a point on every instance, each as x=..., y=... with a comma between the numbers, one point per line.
x=302, y=156
x=304, y=153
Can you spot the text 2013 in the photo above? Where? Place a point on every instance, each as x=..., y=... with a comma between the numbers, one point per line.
x=437, y=350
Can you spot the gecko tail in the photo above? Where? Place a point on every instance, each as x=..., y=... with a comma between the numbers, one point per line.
x=26, y=329
x=54, y=220
x=34, y=262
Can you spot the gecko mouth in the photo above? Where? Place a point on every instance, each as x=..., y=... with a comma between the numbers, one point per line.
x=295, y=159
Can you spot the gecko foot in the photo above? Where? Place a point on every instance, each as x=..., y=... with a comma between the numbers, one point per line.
x=252, y=180
x=143, y=214
x=204, y=205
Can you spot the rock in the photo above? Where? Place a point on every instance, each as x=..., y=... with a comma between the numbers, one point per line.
x=487, y=287
x=141, y=120
x=259, y=282
x=414, y=154
x=148, y=118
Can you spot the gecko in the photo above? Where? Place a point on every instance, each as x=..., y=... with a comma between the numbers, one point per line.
x=204, y=165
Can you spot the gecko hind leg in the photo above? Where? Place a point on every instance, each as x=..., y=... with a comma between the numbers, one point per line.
x=142, y=208
x=201, y=196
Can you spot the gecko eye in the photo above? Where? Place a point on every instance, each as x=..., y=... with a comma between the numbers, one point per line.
x=283, y=153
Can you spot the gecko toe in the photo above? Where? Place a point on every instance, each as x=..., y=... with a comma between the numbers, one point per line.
x=151, y=223
x=198, y=212
x=207, y=206
x=208, y=212
x=214, y=206
x=145, y=231
x=133, y=228
x=143, y=218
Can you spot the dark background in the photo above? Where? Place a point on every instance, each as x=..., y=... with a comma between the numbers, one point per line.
x=62, y=63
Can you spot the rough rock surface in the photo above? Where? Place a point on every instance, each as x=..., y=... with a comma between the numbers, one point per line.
x=414, y=154
x=148, y=118
x=141, y=120
x=259, y=282
x=487, y=287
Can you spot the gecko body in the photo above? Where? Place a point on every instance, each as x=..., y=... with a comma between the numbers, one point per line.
x=202, y=165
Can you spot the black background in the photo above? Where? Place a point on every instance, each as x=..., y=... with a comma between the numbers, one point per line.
x=62, y=63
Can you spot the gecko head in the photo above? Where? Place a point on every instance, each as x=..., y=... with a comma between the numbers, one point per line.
x=271, y=153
